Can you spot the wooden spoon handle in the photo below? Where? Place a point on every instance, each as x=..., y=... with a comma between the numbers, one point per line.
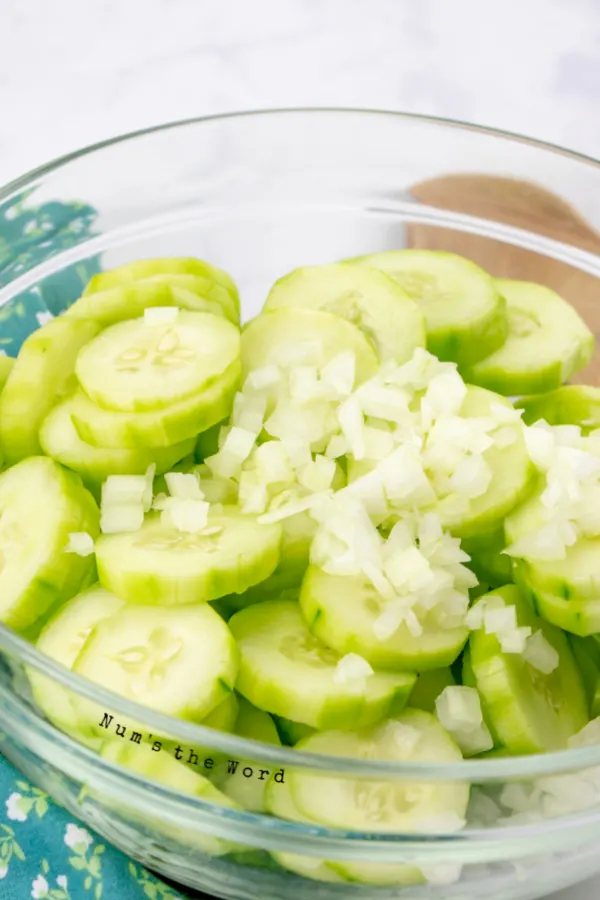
x=523, y=205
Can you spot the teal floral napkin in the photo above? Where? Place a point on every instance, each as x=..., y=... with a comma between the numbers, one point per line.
x=44, y=852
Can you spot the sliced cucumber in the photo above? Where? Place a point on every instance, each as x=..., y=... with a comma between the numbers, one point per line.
x=367, y=298
x=291, y=732
x=491, y=566
x=181, y=661
x=277, y=336
x=158, y=428
x=62, y=639
x=465, y=315
x=149, y=268
x=587, y=654
x=565, y=591
x=342, y=610
x=6, y=367
x=526, y=710
x=160, y=565
x=428, y=687
x=547, y=343
x=41, y=376
x=59, y=439
x=35, y=571
x=512, y=476
x=223, y=716
x=572, y=404
x=279, y=802
x=286, y=671
x=249, y=790
x=162, y=768
x=129, y=301
x=134, y=367
x=389, y=807
x=576, y=616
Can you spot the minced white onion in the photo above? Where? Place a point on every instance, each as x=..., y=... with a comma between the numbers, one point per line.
x=81, y=543
x=540, y=654
x=352, y=670
x=184, y=485
x=118, y=518
x=185, y=514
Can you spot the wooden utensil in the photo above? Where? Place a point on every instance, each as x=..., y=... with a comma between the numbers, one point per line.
x=524, y=205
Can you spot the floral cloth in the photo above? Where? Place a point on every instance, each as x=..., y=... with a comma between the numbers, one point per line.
x=43, y=852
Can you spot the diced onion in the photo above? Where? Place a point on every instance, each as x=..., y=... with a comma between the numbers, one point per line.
x=123, y=489
x=352, y=668
x=540, y=654
x=184, y=485
x=185, y=514
x=81, y=543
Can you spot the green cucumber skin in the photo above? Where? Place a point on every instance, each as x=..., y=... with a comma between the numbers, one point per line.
x=128, y=301
x=491, y=332
x=467, y=343
x=147, y=268
x=161, y=428
x=568, y=405
x=511, y=716
x=39, y=378
x=587, y=654
x=62, y=575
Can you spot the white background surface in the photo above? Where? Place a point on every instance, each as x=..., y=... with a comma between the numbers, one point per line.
x=73, y=72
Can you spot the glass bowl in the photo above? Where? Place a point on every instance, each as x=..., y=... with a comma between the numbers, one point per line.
x=259, y=194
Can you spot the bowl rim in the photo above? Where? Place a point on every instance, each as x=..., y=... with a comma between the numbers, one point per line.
x=510, y=767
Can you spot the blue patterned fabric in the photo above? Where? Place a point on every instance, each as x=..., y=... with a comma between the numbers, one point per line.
x=44, y=852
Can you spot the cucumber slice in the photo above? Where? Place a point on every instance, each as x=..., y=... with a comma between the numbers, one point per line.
x=581, y=617
x=158, y=428
x=572, y=404
x=389, y=807
x=428, y=687
x=365, y=297
x=547, y=343
x=565, y=591
x=512, y=471
x=162, y=768
x=278, y=336
x=587, y=655
x=159, y=565
x=342, y=610
x=59, y=439
x=62, y=639
x=291, y=732
x=526, y=710
x=35, y=571
x=6, y=367
x=249, y=792
x=41, y=376
x=133, y=366
x=148, y=268
x=287, y=671
x=279, y=802
x=491, y=566
x=465, y=315
x=130, y=300
x=205, y=289
x=181, y=661
x=224, y=716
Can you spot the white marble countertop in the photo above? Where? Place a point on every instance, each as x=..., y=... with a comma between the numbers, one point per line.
x=73, y=72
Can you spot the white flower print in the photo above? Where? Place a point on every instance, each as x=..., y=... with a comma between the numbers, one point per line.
x=39, y=888
x=61, y=881
x=43, y=317
x=3, y=870
x=75, y=836
x=13, y=810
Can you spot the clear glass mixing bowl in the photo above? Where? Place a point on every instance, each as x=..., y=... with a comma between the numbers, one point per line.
x=259, y=194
